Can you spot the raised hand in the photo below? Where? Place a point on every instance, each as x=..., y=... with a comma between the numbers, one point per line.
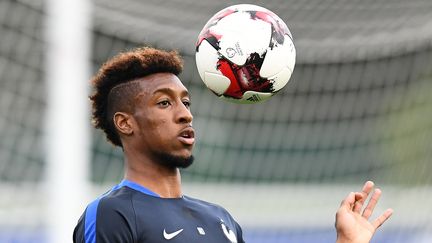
x=352, y=219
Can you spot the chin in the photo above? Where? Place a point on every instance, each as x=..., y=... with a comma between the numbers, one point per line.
x=174, y=161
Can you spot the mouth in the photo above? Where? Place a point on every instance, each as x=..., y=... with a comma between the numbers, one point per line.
x=187, y=136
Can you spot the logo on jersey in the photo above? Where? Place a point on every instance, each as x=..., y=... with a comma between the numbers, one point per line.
x=230, y=235
x=169, y=236
x=201, y=231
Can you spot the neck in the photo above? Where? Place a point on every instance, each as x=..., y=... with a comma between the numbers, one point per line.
x=160, y=179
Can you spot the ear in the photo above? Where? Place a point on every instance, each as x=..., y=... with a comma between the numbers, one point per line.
x=123, y=123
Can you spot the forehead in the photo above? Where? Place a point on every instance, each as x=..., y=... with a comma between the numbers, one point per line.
x=161, y=81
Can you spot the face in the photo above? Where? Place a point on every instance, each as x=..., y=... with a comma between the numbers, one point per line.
x=163, y=120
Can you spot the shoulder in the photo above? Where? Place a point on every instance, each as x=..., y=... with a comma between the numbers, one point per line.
x=111, y=204
x=112, y=212
x=120, y=199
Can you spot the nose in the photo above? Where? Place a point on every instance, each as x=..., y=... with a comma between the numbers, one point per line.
x=184, y=115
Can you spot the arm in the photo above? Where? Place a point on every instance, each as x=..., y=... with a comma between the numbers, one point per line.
x=352, y=223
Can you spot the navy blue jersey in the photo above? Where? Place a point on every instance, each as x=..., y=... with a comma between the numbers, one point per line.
x=132, y=213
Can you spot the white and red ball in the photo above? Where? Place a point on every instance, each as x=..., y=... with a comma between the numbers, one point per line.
x=245, y=54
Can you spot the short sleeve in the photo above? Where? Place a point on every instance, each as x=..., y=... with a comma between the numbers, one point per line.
x=78, y=234
x=105, y=221
x=239, y=233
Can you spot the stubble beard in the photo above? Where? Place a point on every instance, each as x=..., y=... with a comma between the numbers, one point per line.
x=173, y=161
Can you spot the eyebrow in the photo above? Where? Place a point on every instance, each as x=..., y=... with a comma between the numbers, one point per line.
x=170, y=91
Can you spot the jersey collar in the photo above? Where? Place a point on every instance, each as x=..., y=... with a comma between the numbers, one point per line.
x=136, y=187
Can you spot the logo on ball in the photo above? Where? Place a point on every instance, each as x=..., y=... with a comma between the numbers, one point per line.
x=230, y=52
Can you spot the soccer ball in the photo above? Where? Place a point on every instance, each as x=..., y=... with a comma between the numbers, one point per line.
x=245, y=54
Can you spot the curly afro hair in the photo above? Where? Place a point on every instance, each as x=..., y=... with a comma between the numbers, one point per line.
x=119, y=70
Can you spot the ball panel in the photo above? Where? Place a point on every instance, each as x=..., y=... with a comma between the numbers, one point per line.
x=216, y=82
x=247, y=7
x=206, y=59
x=244, y=78
x=281, y=79
x=249, y=97
x=242, y=36
x=278, y=57
x=206, y=32
x=291, y=57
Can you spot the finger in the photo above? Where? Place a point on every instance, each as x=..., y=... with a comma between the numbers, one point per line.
x=358, y=203
x=366, y=190
x=348, y=201
x=372, y=203
x=381, y=219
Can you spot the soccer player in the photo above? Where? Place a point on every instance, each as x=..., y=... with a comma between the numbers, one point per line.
x=143, y=107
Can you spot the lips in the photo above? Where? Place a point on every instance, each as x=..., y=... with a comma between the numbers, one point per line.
x=187, y=136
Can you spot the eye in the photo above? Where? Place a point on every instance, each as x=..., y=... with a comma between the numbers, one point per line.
x=164, y=103
x=187, y=103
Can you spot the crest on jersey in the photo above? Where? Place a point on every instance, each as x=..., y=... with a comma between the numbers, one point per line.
x=229, y=234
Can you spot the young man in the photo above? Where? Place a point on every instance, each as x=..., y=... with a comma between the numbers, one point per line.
x=143, y=107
